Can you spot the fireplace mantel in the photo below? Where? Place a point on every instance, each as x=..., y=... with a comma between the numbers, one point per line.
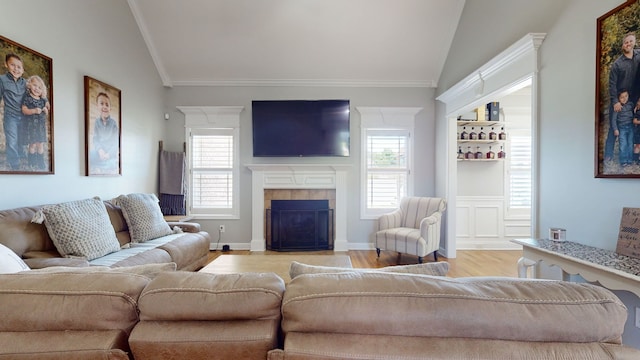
x=298, y=176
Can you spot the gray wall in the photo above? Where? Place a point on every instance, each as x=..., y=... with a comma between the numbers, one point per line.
x=570, y=196
x=102, y=40
x=238, y=232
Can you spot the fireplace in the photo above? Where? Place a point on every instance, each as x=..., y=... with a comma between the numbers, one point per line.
x=299, y=225
x=308, y=177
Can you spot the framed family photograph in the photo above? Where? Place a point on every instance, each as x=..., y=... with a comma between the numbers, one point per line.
x=26, y=110
x=102, y=128
x=617, y=125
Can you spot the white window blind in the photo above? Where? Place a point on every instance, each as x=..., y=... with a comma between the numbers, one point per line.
x=213, y=168
x=387, y=168
x=519, y=158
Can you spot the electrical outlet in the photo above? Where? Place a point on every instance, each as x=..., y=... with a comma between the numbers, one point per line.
x=638, y=317
x=221, y=228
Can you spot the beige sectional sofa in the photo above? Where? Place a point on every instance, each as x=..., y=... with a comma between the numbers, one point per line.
x=351, y=315
x=33, y=243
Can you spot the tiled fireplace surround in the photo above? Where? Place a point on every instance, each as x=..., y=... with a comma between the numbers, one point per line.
x=293, y=181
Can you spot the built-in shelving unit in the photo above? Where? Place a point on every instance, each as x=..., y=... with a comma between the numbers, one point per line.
x=484, y=145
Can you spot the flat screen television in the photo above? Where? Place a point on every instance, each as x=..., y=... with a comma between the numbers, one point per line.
x=300, y=128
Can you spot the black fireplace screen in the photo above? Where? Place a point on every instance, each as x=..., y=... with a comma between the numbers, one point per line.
x=299, y=225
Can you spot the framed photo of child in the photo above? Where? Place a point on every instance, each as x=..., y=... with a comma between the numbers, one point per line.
x=102, y=128
x=617, y=125
x=26, y=110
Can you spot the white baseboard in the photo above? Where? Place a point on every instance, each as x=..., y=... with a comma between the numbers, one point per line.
x=232, y=246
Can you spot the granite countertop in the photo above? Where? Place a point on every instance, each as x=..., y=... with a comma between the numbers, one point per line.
x=602, y=257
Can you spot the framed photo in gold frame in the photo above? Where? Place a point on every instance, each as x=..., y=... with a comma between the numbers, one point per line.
x=103, y=135
x=617, y=125
x=26, y=111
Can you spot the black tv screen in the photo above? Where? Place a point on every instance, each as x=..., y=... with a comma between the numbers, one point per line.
x=300, y=128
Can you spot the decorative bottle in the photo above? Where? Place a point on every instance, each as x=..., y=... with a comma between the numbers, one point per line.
x=469, y=155
x=491, y=154
x=502, y=154
x=482, y=135
x=493, y=135
x=460, y=154
x=503, y=135
x=479, y=154
x=473, y=135
x=464, y=135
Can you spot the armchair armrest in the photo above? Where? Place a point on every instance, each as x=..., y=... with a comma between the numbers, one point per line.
x=429, y=222
x=185, y=226
x=390, y=220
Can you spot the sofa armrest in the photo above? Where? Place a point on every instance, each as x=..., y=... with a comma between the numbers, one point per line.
x=185, y=226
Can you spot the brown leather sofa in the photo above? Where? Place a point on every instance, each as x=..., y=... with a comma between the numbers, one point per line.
x=184, y=315
x=116, y=315
x=389, y=316
x=31, y=242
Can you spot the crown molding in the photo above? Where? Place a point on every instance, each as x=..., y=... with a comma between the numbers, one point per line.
x=309, y=83
x=142, y=25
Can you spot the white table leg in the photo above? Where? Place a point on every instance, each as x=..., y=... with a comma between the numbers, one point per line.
x=523, y=265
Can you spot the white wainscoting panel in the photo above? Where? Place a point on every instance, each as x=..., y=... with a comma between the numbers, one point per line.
x=480, y=224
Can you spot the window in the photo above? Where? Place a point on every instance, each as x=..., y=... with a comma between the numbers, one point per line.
x=387, y=169
x=519, y=170
x=386, y=158
x=213, y=180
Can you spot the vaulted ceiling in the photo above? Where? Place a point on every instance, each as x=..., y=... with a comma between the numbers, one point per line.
x=298, y=42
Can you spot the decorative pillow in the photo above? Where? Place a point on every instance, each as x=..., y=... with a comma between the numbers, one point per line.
x=437, y=269
x=10, y=262
x=143, y=215
x=79, y=228
x=148, y=270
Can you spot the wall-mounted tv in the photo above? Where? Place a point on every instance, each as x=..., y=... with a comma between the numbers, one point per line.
x=300, y=128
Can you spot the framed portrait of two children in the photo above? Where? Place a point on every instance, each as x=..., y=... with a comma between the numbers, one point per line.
x=102, y=128
x=26, y=110
x=617, y=125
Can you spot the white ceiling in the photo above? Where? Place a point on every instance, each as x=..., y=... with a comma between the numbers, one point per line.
x=298, y=42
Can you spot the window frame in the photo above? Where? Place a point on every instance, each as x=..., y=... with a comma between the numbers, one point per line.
x=384, y=119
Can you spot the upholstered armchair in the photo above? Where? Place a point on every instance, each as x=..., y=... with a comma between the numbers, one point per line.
x=413, y=229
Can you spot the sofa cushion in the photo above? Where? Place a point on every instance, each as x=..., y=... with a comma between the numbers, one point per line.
x=70, y=301
x=496, y=308
x=79, y=228
x=199, y=296
x=143, y=216
x=10, y=262
x=148, y=270
x=436, y=269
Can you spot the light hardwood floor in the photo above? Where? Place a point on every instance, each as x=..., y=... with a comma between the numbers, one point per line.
x=467, y=262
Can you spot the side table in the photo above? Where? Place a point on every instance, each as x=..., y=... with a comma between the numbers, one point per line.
x=610, y=269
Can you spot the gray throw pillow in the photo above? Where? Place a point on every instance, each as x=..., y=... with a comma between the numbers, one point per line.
x=144, y=217
x=79, y=228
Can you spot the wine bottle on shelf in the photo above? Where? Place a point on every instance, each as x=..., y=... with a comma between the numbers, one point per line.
x=493, y=135
x=469, y=155
x=460, y=154
x=503, y=135
x=502, y=154
x=464, y=135
x=473, y=135
x=482, y=135
x=479, y=154
x=491, y=154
